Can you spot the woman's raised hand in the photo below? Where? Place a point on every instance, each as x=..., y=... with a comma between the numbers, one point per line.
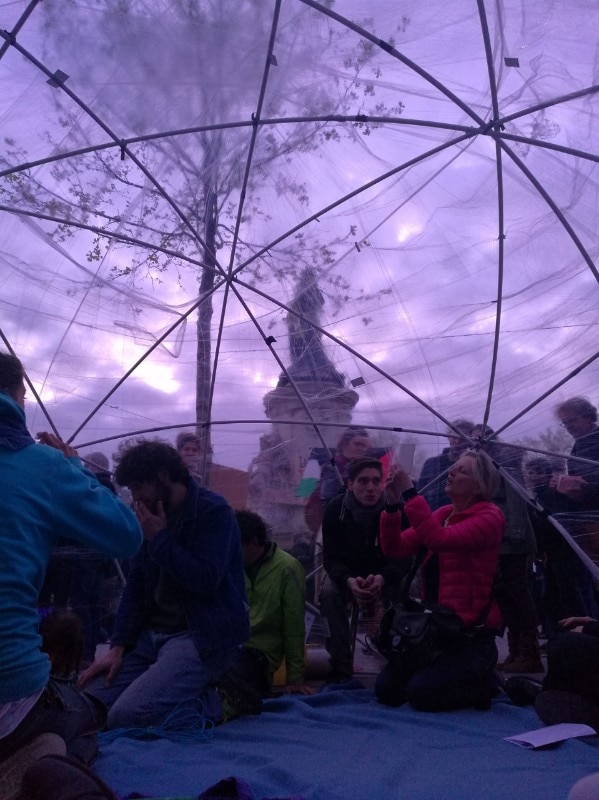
x=398, y=481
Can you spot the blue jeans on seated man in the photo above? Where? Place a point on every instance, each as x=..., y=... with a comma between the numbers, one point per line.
x=462, y=677
x=66, y=711
x=161, y=672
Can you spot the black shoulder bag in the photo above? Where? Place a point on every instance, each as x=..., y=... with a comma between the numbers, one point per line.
x=412, y=634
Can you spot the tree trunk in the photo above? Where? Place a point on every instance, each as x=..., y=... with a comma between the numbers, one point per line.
x=204, y=351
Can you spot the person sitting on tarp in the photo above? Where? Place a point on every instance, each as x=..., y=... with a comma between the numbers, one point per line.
x=570, y=690
x=44, y=494
x=356, y=570
x=463, y=542
x=276, y=586
x=183, y=615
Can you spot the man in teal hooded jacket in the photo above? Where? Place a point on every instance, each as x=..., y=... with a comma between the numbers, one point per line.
x=45, y=493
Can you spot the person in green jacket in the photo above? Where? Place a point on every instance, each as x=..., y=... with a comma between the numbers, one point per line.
x=275, y=585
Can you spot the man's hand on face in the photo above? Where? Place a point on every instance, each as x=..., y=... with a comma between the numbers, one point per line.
x=151, y=524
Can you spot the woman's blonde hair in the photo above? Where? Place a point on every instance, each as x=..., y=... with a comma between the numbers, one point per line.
x=485, y=473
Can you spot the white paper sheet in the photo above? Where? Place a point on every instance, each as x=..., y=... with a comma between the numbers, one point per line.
x=550, y=735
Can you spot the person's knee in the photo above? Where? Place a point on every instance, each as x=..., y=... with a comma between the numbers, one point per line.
x=423, y=699
x=60, y=778
x=586, y=788
x=137, y=710
x=389, y=688
x=125, y=715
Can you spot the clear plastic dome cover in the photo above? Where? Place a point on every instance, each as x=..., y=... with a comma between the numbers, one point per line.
x=263, y=220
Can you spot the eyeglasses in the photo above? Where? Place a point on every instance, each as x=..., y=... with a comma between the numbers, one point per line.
x=565, y=422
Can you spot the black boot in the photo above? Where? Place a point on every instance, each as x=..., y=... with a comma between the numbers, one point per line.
x=522, y=691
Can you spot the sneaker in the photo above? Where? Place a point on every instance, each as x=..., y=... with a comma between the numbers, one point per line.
x=554, y=706
x=522, y=691
x=237, y=697
x=13, y=768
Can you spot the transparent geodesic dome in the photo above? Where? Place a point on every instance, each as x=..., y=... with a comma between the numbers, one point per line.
x=384, y=214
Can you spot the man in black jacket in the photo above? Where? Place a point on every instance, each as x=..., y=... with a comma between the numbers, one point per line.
x=355, y=568
x=570, y=690
x=580, y=418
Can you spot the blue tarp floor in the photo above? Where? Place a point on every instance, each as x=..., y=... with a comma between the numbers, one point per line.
x=344, y=745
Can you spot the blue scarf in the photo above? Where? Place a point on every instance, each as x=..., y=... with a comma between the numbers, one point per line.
x=15, y=436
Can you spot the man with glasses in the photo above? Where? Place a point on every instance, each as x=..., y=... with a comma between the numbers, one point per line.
x=579, y=417
x=568, y=590
x=581, y=485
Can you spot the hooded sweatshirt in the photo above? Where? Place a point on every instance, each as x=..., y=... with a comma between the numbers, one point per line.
x=44, y=496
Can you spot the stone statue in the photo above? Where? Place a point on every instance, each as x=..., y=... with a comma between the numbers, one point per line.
x=316, y=385
x=309, y=362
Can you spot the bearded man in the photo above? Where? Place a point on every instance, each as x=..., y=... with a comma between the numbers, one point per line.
x=183, y=615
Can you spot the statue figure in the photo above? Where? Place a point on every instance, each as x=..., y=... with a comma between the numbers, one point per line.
x=309, y=362
x=285, y=450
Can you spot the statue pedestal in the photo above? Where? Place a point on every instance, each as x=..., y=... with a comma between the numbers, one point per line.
x=284, y=452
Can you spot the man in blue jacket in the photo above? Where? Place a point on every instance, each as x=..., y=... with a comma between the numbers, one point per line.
x=44, y=494
x=183, y=615
x=433, y=475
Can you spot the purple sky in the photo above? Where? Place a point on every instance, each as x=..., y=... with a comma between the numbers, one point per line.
x=414, y=264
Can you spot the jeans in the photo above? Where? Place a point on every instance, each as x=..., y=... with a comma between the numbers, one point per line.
x=162, y=672
x=65, y=710
x=515, y=600
x=462, y=677
x=334, y=606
